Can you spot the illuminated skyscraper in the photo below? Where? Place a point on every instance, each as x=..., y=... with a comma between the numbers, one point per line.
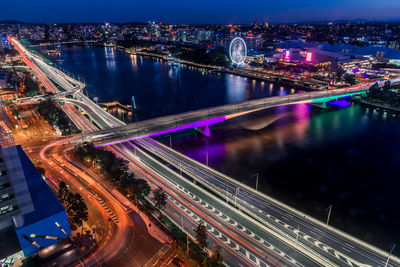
x=15, y=199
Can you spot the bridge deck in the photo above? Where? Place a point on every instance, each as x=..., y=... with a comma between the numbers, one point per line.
x=206, y=117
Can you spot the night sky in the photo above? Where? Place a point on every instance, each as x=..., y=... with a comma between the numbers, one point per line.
x=192, y=11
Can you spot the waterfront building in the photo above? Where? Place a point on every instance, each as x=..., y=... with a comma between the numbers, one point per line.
x=254, y=42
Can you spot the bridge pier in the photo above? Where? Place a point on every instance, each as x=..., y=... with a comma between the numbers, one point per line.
x=320, y=105
x=204, y=131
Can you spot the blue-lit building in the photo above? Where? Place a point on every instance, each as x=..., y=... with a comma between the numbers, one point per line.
x=31, y=216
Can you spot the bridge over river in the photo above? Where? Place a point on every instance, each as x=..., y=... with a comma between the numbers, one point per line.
x=202, y=119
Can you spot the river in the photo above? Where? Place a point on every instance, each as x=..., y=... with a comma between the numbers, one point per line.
x=347, y=156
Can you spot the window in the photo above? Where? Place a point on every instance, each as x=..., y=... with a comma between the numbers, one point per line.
x=3, y=186
x=7, y=209
x=6, y=197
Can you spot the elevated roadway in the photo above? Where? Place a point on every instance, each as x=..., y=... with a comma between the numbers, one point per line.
x=49, y=75
x=245, y=242
x=334, y=245
x=203, y=118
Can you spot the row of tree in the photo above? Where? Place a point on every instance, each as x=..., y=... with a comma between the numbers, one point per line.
x=115, y=170
x=75, y=206
x=201, y=238
x=50, y=111
x=384, y=94
x=216, y=57
x=31, y=86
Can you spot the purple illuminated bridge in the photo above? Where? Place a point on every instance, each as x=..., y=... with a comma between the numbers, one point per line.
x=202, y=119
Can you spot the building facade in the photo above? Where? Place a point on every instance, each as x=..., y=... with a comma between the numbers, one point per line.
x=15, y=198
x=28, y=207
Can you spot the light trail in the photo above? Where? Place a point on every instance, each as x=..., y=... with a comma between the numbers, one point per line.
x=214, y=222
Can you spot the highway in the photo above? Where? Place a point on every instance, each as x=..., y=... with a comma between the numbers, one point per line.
x=245, y=241
x=334, y=245
x=70, y=86
x=80, y=121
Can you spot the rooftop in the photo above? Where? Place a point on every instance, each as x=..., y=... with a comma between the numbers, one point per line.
x=44, y=200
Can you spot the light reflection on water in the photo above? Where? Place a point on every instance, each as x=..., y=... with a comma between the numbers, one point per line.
x=110, y=58
x=236, y=88
x=158, y=87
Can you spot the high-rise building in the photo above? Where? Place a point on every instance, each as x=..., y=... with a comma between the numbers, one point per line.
x=15, y=199
x=255, y=24
x=254, y=42
x=29, y=211
x=2, y=55
x=2, y=45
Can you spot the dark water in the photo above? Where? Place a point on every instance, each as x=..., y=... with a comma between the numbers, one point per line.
x=345, y=156
x=159, y=88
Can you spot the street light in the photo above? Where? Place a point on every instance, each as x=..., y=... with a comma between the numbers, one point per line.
x=170, y=140
x=390, y=254
x=329, y=214
x=256, y=175
x=206, y=157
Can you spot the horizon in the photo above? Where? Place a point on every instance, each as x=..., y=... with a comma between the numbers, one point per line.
x=217, y=13
x=356, y=20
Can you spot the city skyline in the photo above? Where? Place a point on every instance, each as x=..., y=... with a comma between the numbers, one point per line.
x=180, y=12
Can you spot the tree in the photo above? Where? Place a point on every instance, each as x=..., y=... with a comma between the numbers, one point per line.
x=201, y=236
x=78, y=210
x=139, y=188
x=160, y=199
x=350, y=79
x=32, y=261
x=63, y=192
x=51, y=112
x=74, y=205
x=386, y=86
x=41, y=170
x=339, y=74
x=31, y=86
x=216, y=258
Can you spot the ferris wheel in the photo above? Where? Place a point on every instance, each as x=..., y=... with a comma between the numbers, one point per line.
x=238, y=51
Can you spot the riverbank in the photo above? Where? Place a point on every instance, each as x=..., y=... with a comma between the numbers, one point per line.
x=374, y=104
x=166, y=58
x=280, y=80
x=276, y=80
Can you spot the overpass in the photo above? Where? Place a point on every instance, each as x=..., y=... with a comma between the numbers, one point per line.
x=202, y=119
x=71, y=87
x=38, y=98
